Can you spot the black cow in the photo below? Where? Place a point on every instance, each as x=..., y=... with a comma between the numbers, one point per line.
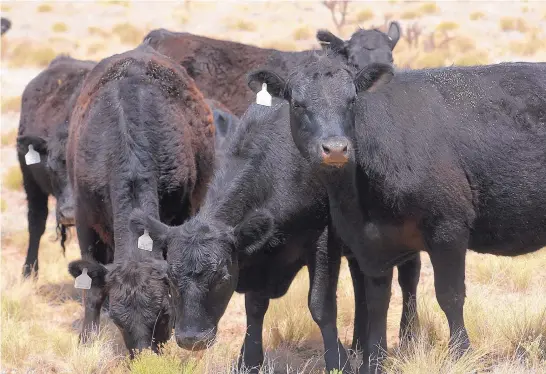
x=141, y=135
x=365, y=46
x=5, y=25
x=263, y=217
x=47, y=102
x=219, y=67
x=437, y=160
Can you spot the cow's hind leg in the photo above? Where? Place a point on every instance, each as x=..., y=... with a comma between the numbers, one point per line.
x=408, y=278
x=323, y=265
x=252, y=353
x=37, y=217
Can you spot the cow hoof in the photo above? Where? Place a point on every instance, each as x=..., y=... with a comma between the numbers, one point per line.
x=28, y=270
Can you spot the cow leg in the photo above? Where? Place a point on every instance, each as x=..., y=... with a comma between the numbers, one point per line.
x=323, y=265
x=360, y=329
x=378, y=296
x=408, y=278
x=252, y=353
x=90, y=244
x=449, y=276
x=37, y=217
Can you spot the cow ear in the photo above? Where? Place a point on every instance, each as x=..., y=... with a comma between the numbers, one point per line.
x=373, y=76
x=97, y=272
x=255, y=230
x=38, y=143
x=329, y=41
x=140, y=221
x=276, y=85
x=394, y=33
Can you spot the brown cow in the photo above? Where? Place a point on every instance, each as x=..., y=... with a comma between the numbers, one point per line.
x=46, y=106
x=141, y=135
x=219, y=67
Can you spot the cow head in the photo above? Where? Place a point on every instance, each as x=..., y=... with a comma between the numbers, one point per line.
x=365, y=46
x=322, y=94
x=139, y=298
x=203, y=267
x=53, y=159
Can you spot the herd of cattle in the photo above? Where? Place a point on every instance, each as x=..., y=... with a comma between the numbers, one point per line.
x=352, y=158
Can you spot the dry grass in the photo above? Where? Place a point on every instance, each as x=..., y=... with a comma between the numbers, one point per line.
x=429, y=8
x=59, y=27
x=13, y=179
x=447, y=26
x=472, y=59
x=409, y=15
x=44, y=8
x=128, y=34
x=93, y=30
x=11, y=104
x=30, y=54
x=281, y=45
x=3, y=205
x=475, y=16
x=303, y=33
x=240, y=25
x=513, y=24
x=8, y=138
x=364, y=16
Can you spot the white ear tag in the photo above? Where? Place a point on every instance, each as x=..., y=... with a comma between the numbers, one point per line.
x=32, y=157
x=83, y=281
x=263, y=97
x=145, y=242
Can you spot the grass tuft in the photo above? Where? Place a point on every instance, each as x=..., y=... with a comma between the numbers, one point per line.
x=30, y=54
x=13, y=179
x=475, y=16
x=241, y=25
x=11, y=104
x=364, y=16
x=513, y=24
x=128, y=34
x=44, y=8
x=302, y=33
x=59, y=27
x=429, y=8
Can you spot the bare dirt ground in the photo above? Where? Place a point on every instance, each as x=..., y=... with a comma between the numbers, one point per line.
x=505, y=310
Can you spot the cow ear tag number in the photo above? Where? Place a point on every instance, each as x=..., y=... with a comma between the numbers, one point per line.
x=83, y=281
x=145, y=242
x=32, y=157
x=263, y=97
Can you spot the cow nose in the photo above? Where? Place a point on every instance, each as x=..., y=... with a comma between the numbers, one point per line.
x=195, y=341
x=335, y=151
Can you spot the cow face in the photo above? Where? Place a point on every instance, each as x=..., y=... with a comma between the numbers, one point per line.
x=322, y=95
x=203, y=267
x=53, y=156
x=139, y=297
x=364, y=47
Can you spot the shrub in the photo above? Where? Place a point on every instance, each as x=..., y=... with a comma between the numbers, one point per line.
x=447, y=26
x=8, y=138
x=472, y=59
x=477, y=16
x=281, y=45
x=410, y=14
x=512, y=24
x=3, y=205
x=128, y=34
x=13, y=179
x=302, y=33
x=93, y=30
x=364, y=16
x=95, y=48
x=430, y=60
x=242, y=25
x=44, y=8
x=59, y=27
x=11, y=104
x=29, y=54
x=429, y=8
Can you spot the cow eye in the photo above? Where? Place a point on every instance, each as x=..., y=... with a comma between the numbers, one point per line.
x=298, y=105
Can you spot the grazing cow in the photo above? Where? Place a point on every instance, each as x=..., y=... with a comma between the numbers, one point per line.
x=225, y=123
x=219, y=67
x=436, y=160
x=141, y=135
x=5, y=25
x=263, y=217
x=47, y=102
